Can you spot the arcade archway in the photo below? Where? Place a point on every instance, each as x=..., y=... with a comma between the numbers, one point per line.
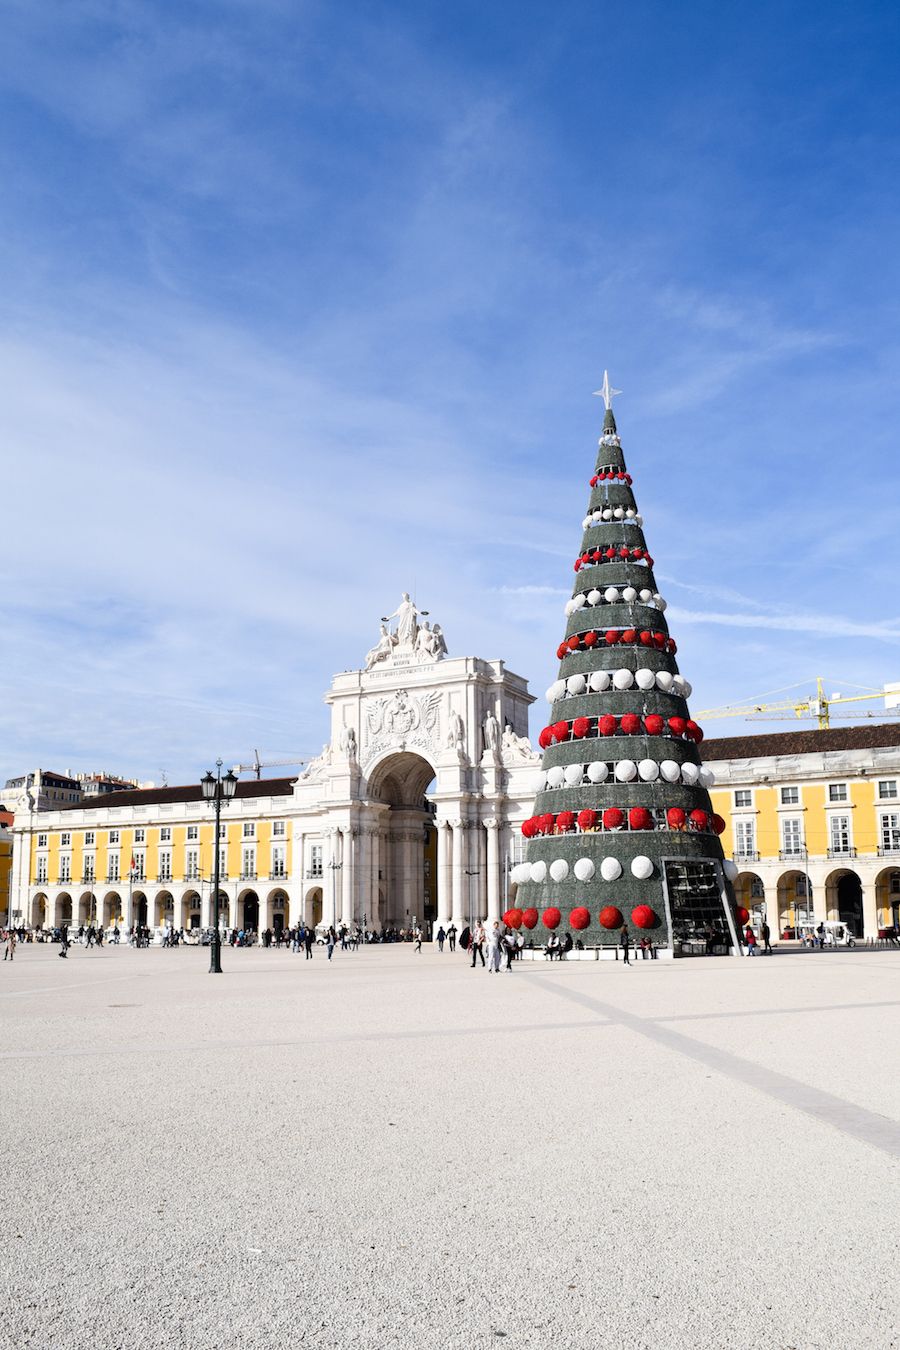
x=402, y=890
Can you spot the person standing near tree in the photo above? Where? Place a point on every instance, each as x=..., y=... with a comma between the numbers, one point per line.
x=766, y=934
x=64, y=939
x=477, y=944
x=625, y=943
x=441, y=938
x=9, y=950
x=451, y=936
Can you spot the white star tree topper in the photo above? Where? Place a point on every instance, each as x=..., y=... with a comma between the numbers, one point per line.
x=606, y=392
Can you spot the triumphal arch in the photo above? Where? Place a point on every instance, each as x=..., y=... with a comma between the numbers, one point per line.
x=421, y=789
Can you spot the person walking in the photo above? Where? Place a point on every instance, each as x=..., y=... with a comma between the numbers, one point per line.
x=766, y=934
x=451, y=936
x=820, y=933
x=64, y=939
x=331, y=942
x=625, y=943
x=441, y=938
x=417, y=937
x=509, y=948
x=495, y=938
x=751, y=941
x=9, y=951
x=477, y=944
x=308, y=940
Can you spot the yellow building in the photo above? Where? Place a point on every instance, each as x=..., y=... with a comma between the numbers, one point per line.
x=813, y=824
x=6, y=857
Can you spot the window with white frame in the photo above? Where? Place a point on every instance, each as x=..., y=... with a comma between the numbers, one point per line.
x=790, y=796
x=839, y=834
x=87, y=867
x=191, y=864
x=193, y=832
x=248, y=863
x=837, y=792
x=140, y=835
x=279, y=829
x=517, y=846
x=112, y=867
x=743, y=797
x=315, y=860
x=165, y=834
x=744, y=838
x=887, y=790
x=140, y=863
x=889, y=826
x=279, y=860
x=114, y=836
x=223, y=863
x=41, y=869
x=249, y=829
x=88, y=838
x=42, y=841
x=223, y=830
x=65, y=840
x=65, y=868
x=165, y=865
x=791, y=836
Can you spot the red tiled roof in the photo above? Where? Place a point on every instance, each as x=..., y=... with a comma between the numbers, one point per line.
x=189, y=792
x=867, y=737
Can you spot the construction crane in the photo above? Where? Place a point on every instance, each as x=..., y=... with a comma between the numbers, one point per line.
x=259, y=764
x=816, y=705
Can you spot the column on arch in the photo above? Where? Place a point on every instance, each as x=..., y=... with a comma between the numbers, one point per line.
x=444, y=898
x=361, y=876
x=492, y=826
x=329, y=879
x=347, y=851
x=459, y=912
x=374, y=868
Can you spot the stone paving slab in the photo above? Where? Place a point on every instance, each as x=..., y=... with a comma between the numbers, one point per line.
x=394, y=1150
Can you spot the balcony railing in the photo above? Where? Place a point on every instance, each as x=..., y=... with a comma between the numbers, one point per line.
x=278, y=874
x=112, y=876
x=888, y=850
x=746, y=855
x=248, y=876
x=313, y=875
x=791, y=854
x=840, y=852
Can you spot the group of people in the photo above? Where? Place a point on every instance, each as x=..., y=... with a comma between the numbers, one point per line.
x=752, y=941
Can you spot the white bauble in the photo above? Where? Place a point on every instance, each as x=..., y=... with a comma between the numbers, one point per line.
x=619, y=513
x=539, y=782
x=689, y=774
x=629, y=595
x=645, y=597
x=599, y=681
x=559, y=869
x=584, y=869
x=578, y=600
x=597, y=516
x=626, y=771
x=669, y=771
x=610, y=869
x=607, y=513
x=641, y=867
x=556, y=690
x=732, y=871
x=521, y=872
x=630, y=513
x=661, y=604
x=611, y=595
x=538, y=871
x=576, y=684
x=686, y=688
x=574, y=774
x=556, y=776
x=570, y=607
x=644, y=679
x=707, y=777
x=597, y=771
x=593, y=597
x=623, y=679
x=664, y=680
x=639, y=519
x=648, y=769
x=588, y=521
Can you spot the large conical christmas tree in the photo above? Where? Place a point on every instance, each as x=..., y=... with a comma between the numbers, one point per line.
x=623, y=830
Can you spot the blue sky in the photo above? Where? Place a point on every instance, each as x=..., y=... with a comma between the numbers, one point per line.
x=304, y=305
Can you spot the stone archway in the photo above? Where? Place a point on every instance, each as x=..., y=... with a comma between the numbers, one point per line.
x=277, y=909
x=39, y=910
x=887, y=898
x=844, y=900
x=750, y=892
x=191, y=907
x=112, y=909
x=312, y=907
x=403, y=886
x=249, y=911
x=794, y=902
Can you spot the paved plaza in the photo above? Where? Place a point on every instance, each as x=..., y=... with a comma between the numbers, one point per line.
x=394, y=1150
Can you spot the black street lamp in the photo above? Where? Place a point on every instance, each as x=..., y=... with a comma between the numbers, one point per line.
x=218, y=790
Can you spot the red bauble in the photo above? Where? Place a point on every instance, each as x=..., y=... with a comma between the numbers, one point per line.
x=636, y=554
x=580, y=917
x=528, y=828
x=587, y=819
x=653, y=724
x=560, y=731
x=642, y=916
x=630, y=724
x=698, y=819
x=718, y=824
x=562, y=650
x=546, y=822
x=671, y=646
x=610, y=553
x=594, y=481
x=580, y=727
x=610, y=917
x=612, y=636
x=693, y=731
x=590, y=639
x=646, y=639
x=677, y=726
x=565, y=821
x=595, y=556
x=551, y=917
x=613, y=818
x=545, y=739
x=607, y=724
x=529, y=918
x=629, y=636
x=623, y=552
x=639, y=818
x=743, y=915
x=574, y=642
x=675, y=818
x=659, y=641
x=513, y=918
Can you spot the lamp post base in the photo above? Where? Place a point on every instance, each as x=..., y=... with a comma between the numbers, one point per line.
x=215, y=955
